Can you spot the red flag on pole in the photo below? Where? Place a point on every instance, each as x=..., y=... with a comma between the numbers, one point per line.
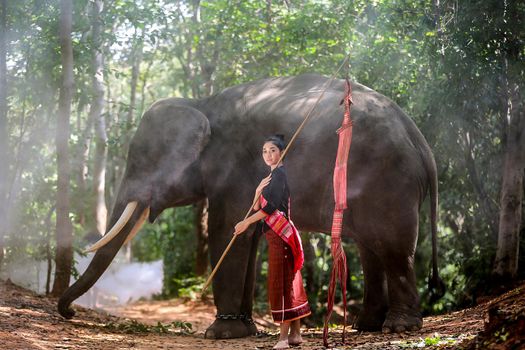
x=338, y=254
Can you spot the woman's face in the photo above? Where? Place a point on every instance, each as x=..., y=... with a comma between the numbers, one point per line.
x=271, y=154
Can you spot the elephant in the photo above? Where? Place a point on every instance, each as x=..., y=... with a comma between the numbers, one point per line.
x=185, y=150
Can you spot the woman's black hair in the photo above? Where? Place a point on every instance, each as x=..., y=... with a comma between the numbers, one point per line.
x=278, y=140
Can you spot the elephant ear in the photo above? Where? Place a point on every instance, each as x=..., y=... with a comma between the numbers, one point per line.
x=168, y=141
x=173, y=133
x=195, y=132
x=164, y=156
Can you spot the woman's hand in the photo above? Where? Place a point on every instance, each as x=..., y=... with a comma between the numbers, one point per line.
x=241, y=227
x=262, y=185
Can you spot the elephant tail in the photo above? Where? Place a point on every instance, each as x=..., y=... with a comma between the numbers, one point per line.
x=436, y=285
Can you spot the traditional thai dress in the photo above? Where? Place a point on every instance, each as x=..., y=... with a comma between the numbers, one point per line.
x=288, y=300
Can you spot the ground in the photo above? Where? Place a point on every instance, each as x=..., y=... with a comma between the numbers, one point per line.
x=30, y=321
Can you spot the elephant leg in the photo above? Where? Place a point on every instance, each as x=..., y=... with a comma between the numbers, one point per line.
x=403, y=312
x=249, y=285
x=375, y=304
x=229, y=281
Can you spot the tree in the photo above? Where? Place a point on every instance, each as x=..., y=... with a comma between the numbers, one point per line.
x=3, y=126
x=468, y=117
x=97, y=116
x=511, y=199
x=64, y=230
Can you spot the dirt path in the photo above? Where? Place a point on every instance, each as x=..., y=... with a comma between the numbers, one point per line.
x=29, y=321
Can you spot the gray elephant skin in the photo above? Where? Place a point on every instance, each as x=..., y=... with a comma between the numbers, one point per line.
x=187, y=149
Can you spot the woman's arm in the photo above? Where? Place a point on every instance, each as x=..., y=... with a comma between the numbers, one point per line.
x=243, y=225
x=257, y=202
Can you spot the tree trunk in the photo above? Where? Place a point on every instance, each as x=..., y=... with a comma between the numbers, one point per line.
x=506, y=262
x=485, y=200
x=510, y=215
x=201, y=225
x=49, y=255
x=145, y=76
x=136, y=59
x=96, y=114
x=192, y=66
x=207, y=68
x=81, y=168
x=3, y=127
x=64, y=230
x=111, y=122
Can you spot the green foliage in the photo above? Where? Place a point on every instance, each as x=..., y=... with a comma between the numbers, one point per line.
x=187, y=287
x=435, y=342
x=432, y=341
x=172, y=239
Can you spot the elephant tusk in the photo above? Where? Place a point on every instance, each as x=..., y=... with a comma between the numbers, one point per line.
x=121, y=222
x=138, y=225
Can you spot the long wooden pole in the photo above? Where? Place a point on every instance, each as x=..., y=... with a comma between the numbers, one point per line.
x=283, y=154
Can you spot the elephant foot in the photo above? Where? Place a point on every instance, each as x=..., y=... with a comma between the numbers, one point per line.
x=250, y=326
x=226, y=329
x=402, y=321
x=370, y=321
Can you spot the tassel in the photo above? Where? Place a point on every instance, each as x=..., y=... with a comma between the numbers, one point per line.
x=339, y=271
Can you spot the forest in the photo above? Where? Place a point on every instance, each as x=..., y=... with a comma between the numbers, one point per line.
x=76, y=77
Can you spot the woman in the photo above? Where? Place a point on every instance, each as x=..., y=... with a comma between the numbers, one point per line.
x=288, y=299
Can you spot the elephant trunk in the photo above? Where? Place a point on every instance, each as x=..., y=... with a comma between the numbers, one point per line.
x=102, y=258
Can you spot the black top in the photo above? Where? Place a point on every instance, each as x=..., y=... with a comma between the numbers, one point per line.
x=277, y=193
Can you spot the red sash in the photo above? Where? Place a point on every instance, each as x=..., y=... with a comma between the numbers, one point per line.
x=285, y=229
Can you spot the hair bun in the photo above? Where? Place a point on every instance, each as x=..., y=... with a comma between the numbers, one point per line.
x=278, y=140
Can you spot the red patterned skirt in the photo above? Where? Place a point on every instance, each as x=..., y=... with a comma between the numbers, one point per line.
x=288, y=300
